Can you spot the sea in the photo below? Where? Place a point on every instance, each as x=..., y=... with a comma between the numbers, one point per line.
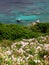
x=26, y=11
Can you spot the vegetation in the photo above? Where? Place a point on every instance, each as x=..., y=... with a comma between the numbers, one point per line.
x=28, y=52
x=33, y=50
x=15, y=31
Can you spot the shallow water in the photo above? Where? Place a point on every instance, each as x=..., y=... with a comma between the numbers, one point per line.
x=26, y=10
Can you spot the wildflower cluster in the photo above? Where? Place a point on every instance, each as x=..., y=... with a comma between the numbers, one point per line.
x=26, y=52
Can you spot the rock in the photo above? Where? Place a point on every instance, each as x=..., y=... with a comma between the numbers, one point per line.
x=38, y=21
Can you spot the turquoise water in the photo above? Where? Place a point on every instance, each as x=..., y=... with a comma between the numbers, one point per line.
x=27, y=11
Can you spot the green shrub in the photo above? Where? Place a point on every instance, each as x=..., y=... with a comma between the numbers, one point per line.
x=43, y=27
x=15, y=31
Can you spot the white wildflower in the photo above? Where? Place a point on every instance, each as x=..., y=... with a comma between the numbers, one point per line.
x=30, y=40
x=37, y=61
x=26, y=58
x=44, y=56
x=31, y=43
x=19, y=60
x=43, y=40
x=24, y=43
x=20, y=50
x=46, y=46
x=6, y=59
x=13, y=46
x=38, y=48
x=8, y=52
x=13, y=58
x=30, y=56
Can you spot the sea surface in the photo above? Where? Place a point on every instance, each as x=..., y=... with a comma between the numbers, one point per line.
x=25, y=10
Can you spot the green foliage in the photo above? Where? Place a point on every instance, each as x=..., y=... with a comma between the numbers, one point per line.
x=43, y=27
x=9, y=62
x=32, y=50
x=6, y=43
x=15, y=31
x=42, y=53
x=34, y=28
x=1, y=60
x=18, y=46
x=21, y=63
x=31, y=62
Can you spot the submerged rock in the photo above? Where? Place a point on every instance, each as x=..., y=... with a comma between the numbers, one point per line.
x=18, y=21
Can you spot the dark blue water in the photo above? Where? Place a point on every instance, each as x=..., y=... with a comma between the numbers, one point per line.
x=25, y=10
